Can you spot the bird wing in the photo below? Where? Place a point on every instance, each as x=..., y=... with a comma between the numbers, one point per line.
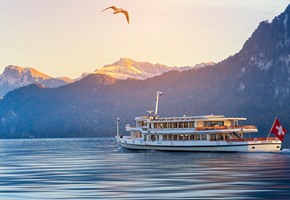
x=113, y=7
x=126, y=14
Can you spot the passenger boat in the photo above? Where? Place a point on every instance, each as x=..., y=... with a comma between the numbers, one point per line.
x=206, y=133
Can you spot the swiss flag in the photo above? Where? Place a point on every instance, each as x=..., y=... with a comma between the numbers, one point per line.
x=278, y=130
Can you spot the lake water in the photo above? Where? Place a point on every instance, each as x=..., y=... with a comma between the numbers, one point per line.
x=97, y=168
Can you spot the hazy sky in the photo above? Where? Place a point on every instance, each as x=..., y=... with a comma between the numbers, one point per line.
x=69, y=37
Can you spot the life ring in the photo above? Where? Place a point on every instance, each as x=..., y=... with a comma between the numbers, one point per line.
x=256, y=140
x=276, y=139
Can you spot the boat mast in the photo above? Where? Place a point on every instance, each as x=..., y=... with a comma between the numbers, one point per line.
x=157, y=100
x=118, y=120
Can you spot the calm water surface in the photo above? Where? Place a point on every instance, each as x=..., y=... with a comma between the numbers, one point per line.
x=98, y=169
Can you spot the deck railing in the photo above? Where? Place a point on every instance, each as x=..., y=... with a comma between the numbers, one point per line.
x=253, y=139
x=247, y=127
x=225, y=127
x=243, y=127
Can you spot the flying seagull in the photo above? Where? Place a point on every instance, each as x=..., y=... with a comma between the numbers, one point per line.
x=119, y=10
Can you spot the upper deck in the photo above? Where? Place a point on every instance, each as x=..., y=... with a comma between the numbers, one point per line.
x=185, y=118
x=190, y=124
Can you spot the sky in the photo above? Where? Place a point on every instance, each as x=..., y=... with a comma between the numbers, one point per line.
x=69, y=37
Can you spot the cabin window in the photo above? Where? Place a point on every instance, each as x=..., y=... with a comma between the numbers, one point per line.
x=236, y=123
x=186, y=125
x=213, y=137
x=186, y=137
x=139, y=135
x=174, y=137
x=164, y=137
x=197, y=137
x=164, y=125
x=154, y=137
x=174, y=124
x=222, y=137
x=159, y=137
x=136, y=134
x=213, y=123
x=191, y=137
x=191, y=125
x=141, y=123
x=203, y=137
x=180, y=124
x=169, y=137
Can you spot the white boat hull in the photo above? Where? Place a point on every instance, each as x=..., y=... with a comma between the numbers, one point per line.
x=202, y=146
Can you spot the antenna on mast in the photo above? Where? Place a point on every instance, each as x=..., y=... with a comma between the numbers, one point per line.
x=157, y=100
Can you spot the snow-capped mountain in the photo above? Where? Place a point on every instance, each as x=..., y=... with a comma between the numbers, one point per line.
x=15, y=77
x=126, y=68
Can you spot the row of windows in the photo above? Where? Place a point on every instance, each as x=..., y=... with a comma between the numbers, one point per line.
x=173, y=125
x=180, y=124
x=168, y=125
x=185, y=137
x=211, y=137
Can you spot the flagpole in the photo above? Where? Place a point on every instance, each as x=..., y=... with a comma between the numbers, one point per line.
x=271, y=129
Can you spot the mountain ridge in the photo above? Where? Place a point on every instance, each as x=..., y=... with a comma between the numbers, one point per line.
x=127, y=68
x=15, y=77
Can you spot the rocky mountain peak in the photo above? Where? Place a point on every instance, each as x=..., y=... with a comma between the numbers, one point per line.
x=15, y=76
x=126, y=62
x=127, y=68
x=16, y=72
x=13, y=68
x=269, y=44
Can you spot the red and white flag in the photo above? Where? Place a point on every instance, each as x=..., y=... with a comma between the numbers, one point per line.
x=278, y=130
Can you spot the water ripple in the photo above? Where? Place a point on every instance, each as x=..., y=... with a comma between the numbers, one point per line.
x=99, y=169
